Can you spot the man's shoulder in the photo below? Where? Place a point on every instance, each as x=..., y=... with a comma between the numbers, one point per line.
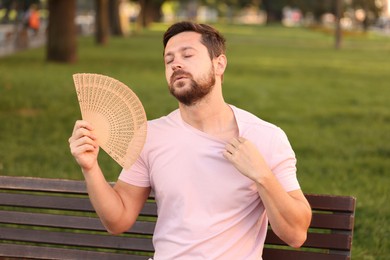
x=164, y=126
x=170, y=118
x=247, y=118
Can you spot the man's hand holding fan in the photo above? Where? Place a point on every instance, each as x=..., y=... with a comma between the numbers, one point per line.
x=113, y=118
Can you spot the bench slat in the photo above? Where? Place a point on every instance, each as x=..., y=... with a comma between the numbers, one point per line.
x=42, y=184
x=317, y=240
x=72, y=222
x=77, y=239
x=50, y=220
x=335, y=221
x=46, y=202
x=38, y=252
x=331, y=202
x=276, y=254
x=60, y=203
x=331, y=241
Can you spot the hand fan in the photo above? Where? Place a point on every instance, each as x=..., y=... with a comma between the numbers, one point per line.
x=116, y=113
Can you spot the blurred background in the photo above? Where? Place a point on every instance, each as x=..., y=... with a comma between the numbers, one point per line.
x=121, y=17
x=318, y=69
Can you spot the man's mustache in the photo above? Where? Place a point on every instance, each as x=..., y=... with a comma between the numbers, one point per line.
x=179, y=74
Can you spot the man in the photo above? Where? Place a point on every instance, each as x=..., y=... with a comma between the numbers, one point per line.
x=219, y=173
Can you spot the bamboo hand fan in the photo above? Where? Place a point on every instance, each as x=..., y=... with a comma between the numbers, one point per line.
x=116, y=113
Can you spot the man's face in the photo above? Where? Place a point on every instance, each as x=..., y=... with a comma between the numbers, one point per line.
x=189, y=70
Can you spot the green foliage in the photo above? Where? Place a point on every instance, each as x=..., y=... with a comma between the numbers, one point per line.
x=333, y=105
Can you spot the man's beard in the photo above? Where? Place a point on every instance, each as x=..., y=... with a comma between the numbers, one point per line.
x=197, y=89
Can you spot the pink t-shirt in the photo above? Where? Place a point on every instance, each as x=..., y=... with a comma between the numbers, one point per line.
x=206, y=208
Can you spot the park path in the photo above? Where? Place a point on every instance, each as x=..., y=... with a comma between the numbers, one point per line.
x=12, y=39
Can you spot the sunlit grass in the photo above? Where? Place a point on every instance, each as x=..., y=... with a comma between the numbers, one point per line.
x=333, y=105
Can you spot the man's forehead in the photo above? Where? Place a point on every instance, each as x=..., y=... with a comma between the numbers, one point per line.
x=184, y=40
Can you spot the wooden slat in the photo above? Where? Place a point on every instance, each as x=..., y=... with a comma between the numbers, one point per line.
x=276, y=254
x=317, y=240
x=336, y=221
x=60, y=203
x=42, y=184
x=46, y=185
x=331, y=202
x=50, y=220
x=46, y=202
x=77, y=239
x=71, y=222
x=143, y=227
x=335, y=241
x=38, y=252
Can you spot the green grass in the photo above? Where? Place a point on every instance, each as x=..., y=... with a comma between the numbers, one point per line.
x=333, y=105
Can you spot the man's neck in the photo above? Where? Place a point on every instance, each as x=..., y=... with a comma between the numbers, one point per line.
x=212, y=116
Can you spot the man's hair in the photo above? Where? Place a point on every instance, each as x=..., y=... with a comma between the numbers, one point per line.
x=210, y=37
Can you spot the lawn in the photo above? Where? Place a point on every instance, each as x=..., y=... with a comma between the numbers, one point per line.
x=333, y=105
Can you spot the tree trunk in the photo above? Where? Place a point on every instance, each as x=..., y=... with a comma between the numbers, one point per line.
x=338, y=30
x=102, y=22
x=274, y=13
x=115, y=18
x=150, y=12
x=62, y=35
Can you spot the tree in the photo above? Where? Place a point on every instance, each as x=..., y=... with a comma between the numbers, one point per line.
x=115, y=18
x=62, y=35
x=150, y=12
x=102, y=22
x=338, y=31
x=273, y=8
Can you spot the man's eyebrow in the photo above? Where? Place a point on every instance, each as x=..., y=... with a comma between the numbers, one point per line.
x=170, y=53
x=187, y=48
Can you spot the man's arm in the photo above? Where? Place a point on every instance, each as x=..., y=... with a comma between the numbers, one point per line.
x=118, y=207
x=289, y=213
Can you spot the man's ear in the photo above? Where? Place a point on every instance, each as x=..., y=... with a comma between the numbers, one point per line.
x=220, y=64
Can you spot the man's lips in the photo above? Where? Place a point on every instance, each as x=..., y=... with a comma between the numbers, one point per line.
x=179, y=78
x=178, y=75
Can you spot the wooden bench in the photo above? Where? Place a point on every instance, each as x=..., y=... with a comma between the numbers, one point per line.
x=53, y=219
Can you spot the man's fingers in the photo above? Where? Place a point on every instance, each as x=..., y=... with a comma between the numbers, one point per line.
x=235, y=144
x=83, y=145
x=229, y=148
x=84, y=148
x=227, y=155
x=81, y=129
x=241, y=140
x=83, y=124
x=81, y=132
x=83, y=140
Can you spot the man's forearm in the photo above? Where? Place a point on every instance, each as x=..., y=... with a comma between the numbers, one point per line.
x=289, y=213
x=105, y=200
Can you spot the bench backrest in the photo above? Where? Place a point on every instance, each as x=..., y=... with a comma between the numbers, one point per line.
x=51, y=218
x=330, y=233
x=55, y=219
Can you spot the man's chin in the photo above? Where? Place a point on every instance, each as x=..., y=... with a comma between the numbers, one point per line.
x=180, y=88
x=181, y=83
x=183, y=96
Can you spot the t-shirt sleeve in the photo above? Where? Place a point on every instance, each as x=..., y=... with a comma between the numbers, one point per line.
x=137, y=174
x=283, y=161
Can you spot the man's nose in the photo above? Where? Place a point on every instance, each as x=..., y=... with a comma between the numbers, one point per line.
x=176, y=65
